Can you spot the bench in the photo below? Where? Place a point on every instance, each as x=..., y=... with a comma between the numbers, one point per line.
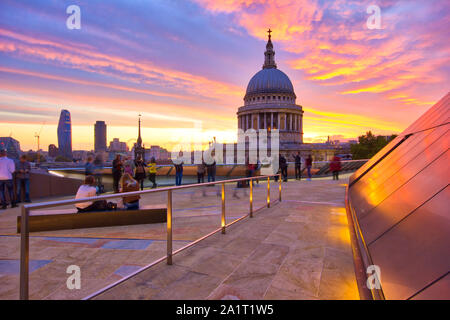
x=50, y=220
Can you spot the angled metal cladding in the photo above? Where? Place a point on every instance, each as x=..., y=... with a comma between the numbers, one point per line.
x=398, y=202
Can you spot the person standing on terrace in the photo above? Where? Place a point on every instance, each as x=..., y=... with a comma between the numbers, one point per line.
x=335, y=167
x=89, y=167
x=308, y=164
x=7, y=168
x=139, y=172
x=152, y=172
x=283, y=168
x=98, y=170
x=211, y=170
x=298, y=166
x=129, y=166
x=201, y=172
x=23, y=179
x=117, y=167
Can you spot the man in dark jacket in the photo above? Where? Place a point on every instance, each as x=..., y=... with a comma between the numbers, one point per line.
x=23, y=178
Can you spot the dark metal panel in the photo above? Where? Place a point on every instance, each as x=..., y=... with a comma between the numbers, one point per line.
x=415, y=252
x=440, y=290
x=393, y=171
x=375, y=158
x=406, y=199
x=436, y=115
x=377, y=192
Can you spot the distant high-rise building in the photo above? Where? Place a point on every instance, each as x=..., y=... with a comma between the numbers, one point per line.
x=117, y=146
x=100, y=136
x=65, y=135
x=52, y=151
x=11, y=145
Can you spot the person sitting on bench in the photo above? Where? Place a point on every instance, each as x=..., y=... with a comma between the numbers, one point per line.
x=88, y=190
x=128, y=184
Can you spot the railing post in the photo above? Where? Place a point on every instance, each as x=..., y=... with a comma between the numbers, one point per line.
x=279, y=188
x=251, y=198
x=268, y=192
x=169, y=227
x=223, y=208
x=24, y=254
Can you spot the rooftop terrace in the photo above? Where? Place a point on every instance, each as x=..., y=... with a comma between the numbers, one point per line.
x=296, y=249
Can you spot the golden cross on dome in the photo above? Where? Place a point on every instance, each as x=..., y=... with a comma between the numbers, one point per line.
x=269, y=31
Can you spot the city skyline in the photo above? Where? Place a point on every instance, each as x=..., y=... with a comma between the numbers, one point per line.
x=194, y=59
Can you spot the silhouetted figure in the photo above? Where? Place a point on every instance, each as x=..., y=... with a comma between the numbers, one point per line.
x=283, y=168
x=152, y=172
x=211, y=170
x=308, y=164
x=201, y=168
x=89, y=167
x=139, y=172
x=7, y=168
x=117, y=168
x=178, y=173
x=298, y=166
x=335, y=167
x=23, y=179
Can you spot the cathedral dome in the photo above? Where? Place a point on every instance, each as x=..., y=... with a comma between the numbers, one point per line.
x=270, y=80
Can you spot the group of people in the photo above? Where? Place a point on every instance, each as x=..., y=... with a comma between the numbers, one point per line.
x=335, y=167
x=10, y=174
x=128, y=175
x=135, y=169
x=202, y=168
x=88, y=189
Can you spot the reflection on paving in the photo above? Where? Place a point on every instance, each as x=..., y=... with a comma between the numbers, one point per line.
x=298, y=249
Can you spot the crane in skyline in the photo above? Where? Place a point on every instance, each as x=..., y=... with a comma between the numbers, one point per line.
x=38, y=136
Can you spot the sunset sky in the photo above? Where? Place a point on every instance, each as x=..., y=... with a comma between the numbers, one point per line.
x=184, y=66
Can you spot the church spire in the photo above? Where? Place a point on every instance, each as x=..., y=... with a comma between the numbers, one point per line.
x=269, y=61
x=139, y=139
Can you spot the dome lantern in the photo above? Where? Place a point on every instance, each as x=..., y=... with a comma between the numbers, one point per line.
x=269, y=61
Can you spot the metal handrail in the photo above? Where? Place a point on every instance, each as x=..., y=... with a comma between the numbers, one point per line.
x=193, y=164
x=24, y=230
